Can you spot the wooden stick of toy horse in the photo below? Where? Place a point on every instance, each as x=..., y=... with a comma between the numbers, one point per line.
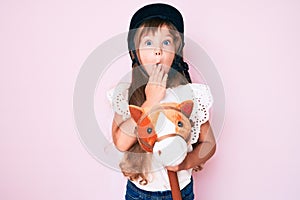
x=165, y=131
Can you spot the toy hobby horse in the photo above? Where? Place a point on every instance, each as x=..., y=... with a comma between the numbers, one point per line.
x=165, y=131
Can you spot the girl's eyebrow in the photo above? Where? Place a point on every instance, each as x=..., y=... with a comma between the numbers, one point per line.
x=145, y=37
x=169, y=35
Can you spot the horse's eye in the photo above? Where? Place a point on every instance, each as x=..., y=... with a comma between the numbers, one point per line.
x=149, y=130
x=180, y=124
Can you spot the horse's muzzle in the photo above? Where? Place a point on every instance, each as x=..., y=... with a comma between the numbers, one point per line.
x=170, y=149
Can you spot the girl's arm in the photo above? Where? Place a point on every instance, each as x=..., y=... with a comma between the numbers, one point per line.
x=123, y=132
x=203, y=151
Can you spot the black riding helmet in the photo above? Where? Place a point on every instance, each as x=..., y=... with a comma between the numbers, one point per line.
x=165, y=12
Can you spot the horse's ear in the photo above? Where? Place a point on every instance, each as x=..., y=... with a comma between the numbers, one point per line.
x=136, y=112
x=186, y=107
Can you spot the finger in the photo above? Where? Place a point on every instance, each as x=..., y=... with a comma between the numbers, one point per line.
x=164, y=81
x=160, y=75
x=155, y=73
x=152, y=75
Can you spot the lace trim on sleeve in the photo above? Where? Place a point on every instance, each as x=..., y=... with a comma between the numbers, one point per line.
x=202, y=102
x=118, y=97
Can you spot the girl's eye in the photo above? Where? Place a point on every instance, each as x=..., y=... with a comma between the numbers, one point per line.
x=148, y=43
x=166, y=42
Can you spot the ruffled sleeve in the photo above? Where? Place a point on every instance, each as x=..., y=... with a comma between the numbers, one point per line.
x=202, y=102
x=118, y=98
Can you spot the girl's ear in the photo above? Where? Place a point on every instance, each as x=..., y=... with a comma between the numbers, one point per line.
x=186, y=107
x=136, y=112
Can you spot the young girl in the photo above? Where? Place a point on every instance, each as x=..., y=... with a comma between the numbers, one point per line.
x=155, y=44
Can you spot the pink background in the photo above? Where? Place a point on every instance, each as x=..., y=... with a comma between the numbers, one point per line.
x=254, y=44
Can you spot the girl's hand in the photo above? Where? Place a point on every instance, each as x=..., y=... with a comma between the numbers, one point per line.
x=181, y=166
x=186, y=164
x=156, y=87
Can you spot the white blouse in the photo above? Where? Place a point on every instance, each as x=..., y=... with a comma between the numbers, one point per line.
x=202, y=98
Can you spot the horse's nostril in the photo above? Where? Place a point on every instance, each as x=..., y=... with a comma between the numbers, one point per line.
x=159, y=152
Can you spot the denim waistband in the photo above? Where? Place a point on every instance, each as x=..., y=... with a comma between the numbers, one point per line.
x=133, y=192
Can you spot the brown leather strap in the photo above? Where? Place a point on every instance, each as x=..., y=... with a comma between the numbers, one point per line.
x=176, y=195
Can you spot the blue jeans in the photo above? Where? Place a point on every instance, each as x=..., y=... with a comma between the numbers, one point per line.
x=134, y=193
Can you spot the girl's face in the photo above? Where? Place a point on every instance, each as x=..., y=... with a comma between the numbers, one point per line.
x=157, y=48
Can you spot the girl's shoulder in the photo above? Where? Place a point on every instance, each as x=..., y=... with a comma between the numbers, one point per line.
x=202, y=93
x=195, y=91
x=118, y=98
x=120, y=89
x=203, y=100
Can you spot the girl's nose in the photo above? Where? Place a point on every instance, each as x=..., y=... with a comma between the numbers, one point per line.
x=157, y=52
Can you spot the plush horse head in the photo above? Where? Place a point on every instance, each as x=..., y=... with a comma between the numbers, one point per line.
x=164, y=130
